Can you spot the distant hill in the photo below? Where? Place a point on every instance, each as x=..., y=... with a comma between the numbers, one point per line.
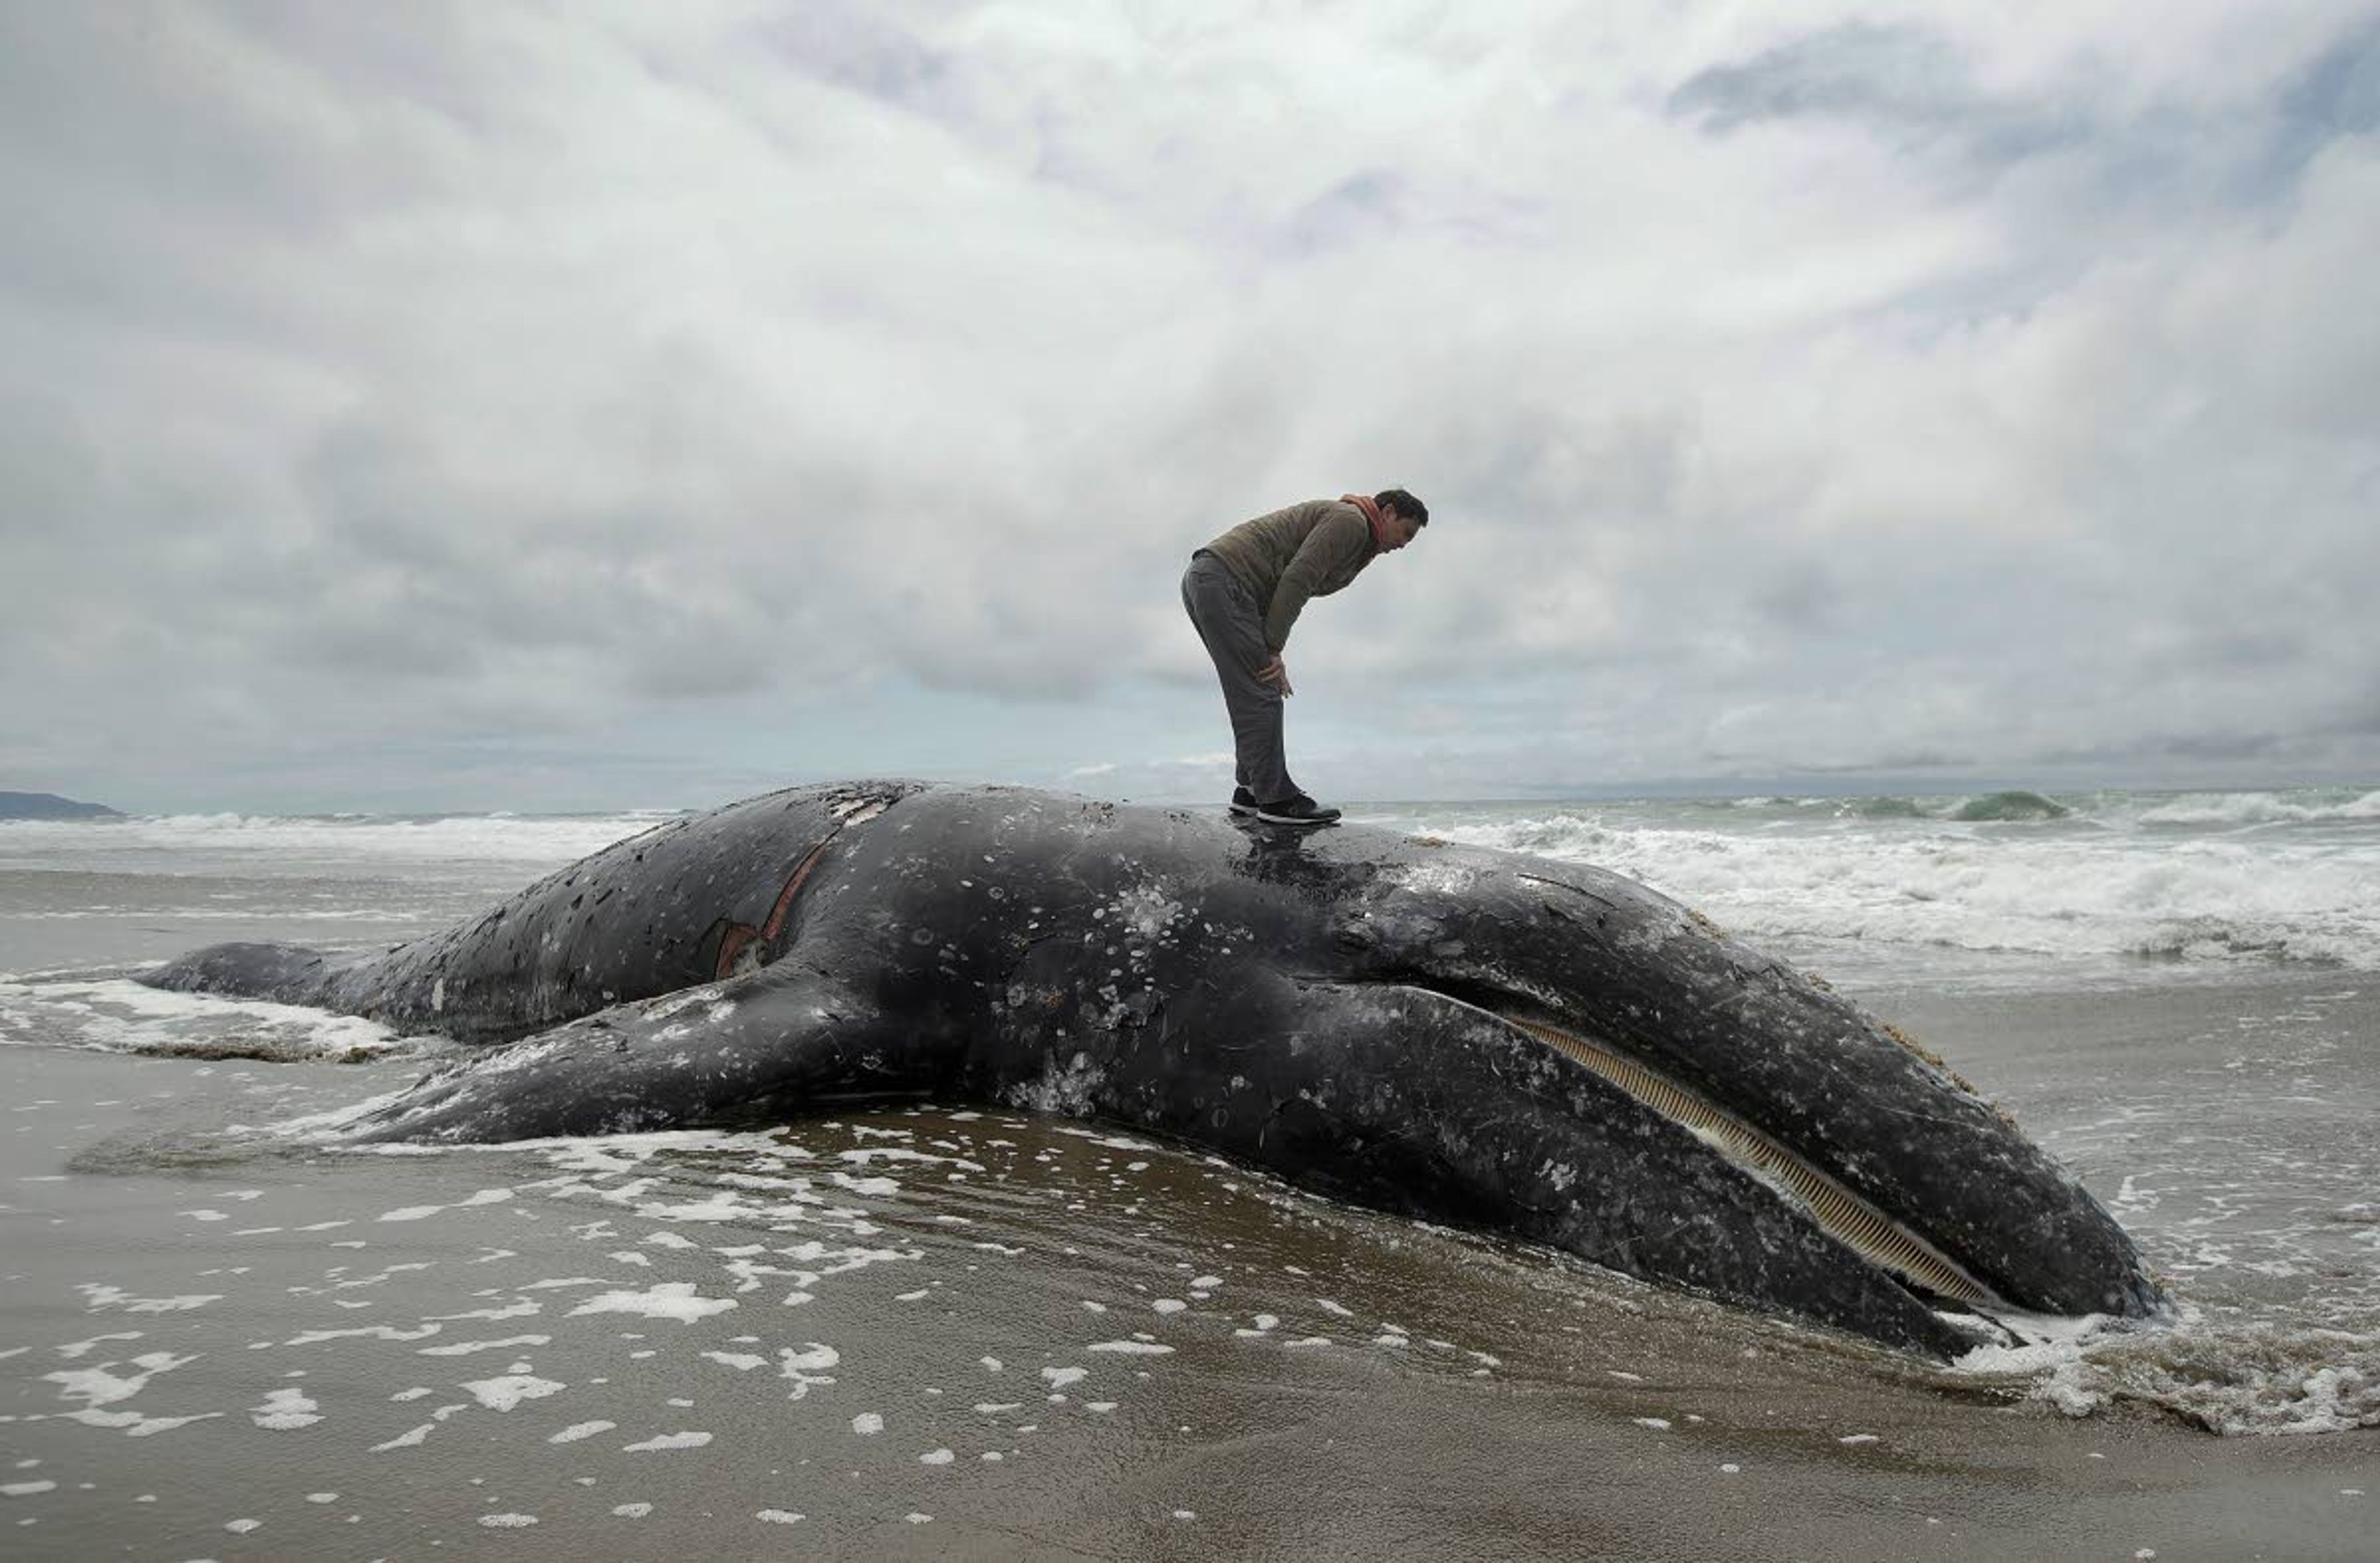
x=49, y=805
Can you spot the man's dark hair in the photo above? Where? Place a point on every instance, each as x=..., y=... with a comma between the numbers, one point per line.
x=1402, y=503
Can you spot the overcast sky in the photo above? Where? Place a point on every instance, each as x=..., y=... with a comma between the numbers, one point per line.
x=574, y=405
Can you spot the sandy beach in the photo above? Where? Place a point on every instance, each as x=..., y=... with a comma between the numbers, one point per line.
x=969, y=1333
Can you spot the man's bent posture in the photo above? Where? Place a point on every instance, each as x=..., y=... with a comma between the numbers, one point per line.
x=1244, y=591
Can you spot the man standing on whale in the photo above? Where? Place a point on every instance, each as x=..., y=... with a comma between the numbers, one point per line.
x=1244, y=590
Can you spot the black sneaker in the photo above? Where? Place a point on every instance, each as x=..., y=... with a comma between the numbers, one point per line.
x=1298, y=810
x=1243, y=800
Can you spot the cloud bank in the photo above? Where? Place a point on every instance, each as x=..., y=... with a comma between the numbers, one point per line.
x=577, y=405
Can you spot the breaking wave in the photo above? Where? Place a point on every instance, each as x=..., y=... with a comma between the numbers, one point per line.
x=2011, y=806
x=234, y=842
x=2144, y=883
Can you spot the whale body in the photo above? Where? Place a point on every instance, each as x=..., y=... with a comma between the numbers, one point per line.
x=1508, y=1042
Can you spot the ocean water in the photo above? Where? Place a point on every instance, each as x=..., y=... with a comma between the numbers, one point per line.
x=2013, y=887
x=2177, y=994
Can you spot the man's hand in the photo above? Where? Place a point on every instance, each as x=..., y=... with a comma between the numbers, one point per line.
x=1276, y=672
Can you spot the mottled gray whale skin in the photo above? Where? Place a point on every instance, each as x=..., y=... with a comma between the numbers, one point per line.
x=1347, y=1009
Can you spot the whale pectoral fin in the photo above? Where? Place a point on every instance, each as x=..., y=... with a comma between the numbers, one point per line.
x=771, y=1042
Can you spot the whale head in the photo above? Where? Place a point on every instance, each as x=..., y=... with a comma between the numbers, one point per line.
x=1684, y=1107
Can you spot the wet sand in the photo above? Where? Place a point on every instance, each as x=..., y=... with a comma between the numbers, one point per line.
x=975, y=1334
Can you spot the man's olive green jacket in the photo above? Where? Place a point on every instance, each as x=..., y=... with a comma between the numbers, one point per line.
x=1310, y=550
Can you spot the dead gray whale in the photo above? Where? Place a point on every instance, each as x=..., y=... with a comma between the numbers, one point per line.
x=1486, y=1039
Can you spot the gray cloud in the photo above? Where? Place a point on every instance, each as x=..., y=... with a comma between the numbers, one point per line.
x=499, y=406
x=1910, y=83
x=2084, y=136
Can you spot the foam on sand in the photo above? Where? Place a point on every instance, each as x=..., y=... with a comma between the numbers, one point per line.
x=670, y=1300
x=116, y=1014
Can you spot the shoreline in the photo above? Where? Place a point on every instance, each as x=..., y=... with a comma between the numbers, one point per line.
x=1661, y=1427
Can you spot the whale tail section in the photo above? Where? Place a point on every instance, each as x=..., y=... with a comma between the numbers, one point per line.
x=286, y=973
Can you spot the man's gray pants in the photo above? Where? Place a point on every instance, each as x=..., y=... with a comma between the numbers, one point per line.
x=1228, y=620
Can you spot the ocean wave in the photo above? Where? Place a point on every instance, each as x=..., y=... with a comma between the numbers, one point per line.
x=2103, y=895
x=282, y=841
x=2262, y=809
x=1882, y=808
x=260, y=906
x=2014, y=805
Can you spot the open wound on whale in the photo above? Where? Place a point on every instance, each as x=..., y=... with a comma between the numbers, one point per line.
x=741, y=947
x=1839, y=1212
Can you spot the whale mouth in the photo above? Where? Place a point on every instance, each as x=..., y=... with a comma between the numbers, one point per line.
x=1875, y=1237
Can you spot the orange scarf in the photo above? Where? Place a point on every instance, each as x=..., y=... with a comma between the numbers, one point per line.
x=1371, y=509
